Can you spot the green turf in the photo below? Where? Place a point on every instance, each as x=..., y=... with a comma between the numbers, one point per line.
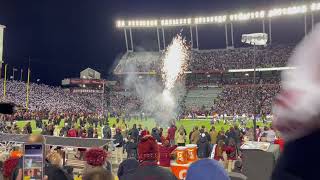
x=187, y=123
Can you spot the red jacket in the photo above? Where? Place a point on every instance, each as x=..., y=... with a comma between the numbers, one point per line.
x=165, y=155
x=171, y=132
x=280, y=142
x=231, y=152
x=72, y=133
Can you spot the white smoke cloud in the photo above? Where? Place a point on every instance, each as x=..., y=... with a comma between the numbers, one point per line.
x=161, y=100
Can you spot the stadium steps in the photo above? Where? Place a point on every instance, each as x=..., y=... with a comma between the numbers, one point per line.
x=202, y=97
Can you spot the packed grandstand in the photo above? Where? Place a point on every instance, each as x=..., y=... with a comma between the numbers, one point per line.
x=209, y=72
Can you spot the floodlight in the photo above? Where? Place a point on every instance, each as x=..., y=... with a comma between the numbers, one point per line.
x=315, y=6
x=189, y=20
x=196, y=20
x=118, y=23
x=256, y=15
x=236, y=17
x=252, y=15
x=231, y=17
x=224, y=18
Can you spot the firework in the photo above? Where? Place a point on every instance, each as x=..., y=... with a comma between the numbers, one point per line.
x=174, y=62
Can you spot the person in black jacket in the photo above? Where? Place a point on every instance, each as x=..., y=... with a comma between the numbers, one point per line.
x=90, y=132
x=134, y=133
x=128, y=166
x=118, y=142
x=155, y=134
x=131, y=148
x=203, y=130
x=106, y=132
x=204, y=148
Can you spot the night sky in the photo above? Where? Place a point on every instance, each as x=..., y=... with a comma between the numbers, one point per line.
x=63, y=37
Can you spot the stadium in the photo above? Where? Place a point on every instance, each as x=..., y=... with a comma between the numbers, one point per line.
x=178, y=82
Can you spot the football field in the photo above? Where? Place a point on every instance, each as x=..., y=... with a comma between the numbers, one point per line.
x=150, y=123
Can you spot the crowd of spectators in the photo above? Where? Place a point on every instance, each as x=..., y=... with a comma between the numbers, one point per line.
x=45, y=101
x=210, y=60
x=240, y=99
x=239, y=58
x=48, y=98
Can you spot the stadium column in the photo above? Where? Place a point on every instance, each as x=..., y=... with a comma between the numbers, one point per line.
x=1, y=46
x=21, y=74
x=163, y=39
x=226, y=32
x=191, y=35
x=126, y=37
x=255, y=94
x=263, y=26
x=270, y=31
x=5, y=81
x=197, y=37
x=131, y=39
x=232, y=38
x=158, y=36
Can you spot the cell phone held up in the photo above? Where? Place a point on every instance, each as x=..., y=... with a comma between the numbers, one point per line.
x=33, y=162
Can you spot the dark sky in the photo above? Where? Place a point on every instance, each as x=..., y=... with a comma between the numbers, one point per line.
x=62, y=37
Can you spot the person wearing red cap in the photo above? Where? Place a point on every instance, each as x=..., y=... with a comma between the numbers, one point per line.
x=144, y=132
x=148, y=156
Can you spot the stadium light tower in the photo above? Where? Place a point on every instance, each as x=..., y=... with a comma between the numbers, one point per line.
x=255, y=39
x=1, y=46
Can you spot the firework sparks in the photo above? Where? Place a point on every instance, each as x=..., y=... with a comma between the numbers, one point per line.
x=174, y=62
